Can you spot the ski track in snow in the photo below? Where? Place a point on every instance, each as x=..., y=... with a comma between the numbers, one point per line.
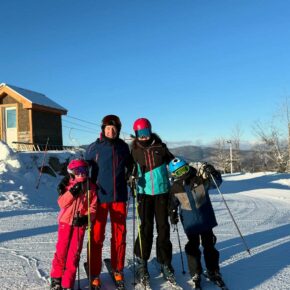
x=25, y=261
x=260, y=204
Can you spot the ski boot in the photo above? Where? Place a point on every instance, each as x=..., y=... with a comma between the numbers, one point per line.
x=168, y=273
x=96, y=283
x=119, y=279
x=142, y=274
x=216, y=278
x=55, y=284
x=196, y=279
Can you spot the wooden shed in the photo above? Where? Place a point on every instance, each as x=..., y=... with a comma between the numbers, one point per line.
x=28, y=116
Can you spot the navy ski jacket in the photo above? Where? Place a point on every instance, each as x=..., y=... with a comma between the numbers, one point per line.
x=192, y=198
x=111, y=163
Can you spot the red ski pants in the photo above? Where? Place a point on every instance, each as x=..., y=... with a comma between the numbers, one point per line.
x=118, y=216
x=66, y=258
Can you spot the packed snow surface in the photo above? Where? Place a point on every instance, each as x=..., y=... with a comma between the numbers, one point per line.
x=259, y=202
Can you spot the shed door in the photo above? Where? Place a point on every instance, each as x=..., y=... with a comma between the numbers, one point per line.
x=10, y=126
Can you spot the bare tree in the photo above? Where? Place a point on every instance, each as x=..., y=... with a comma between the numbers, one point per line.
x=221, y=157
x=275, y=146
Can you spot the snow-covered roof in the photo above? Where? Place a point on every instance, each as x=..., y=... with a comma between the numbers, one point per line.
x=35, y=97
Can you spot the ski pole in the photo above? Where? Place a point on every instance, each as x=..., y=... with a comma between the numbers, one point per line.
x=89, y=232
x=181, y=256
x=244, y=242
x=43, y=160
x=79, y=254
x=134, y=236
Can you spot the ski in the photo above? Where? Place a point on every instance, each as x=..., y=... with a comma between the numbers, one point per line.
x=218, y=282
x=120, y=285
x=171, y=282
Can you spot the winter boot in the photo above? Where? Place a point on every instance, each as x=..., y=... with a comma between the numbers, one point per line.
x=168, y=273
x=196, y=279
x=55, y=284
x=142, y=274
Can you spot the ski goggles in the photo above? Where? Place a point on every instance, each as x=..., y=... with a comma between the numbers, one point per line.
x=180, y=171
x=143, y=133
x=81, y=170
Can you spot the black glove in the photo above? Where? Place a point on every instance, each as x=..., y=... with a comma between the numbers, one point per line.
x=207, y=170
x=80, y=221
x=174, y=217
x=76, y=189
x=132, y=184
x=62, y=185
x=131, y=181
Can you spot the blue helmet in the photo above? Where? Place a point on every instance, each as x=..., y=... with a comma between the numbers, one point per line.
x=175, y=164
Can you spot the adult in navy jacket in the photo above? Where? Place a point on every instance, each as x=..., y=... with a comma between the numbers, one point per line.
x=111, y=164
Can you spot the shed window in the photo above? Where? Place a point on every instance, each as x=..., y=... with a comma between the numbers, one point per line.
x=11, y=118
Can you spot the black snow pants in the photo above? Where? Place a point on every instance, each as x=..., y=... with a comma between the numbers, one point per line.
x=149, y=207
x=210, y=253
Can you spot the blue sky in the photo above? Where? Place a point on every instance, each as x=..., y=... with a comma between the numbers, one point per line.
x=195, y=68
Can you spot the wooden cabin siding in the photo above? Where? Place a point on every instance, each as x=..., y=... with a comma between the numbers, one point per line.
x=23, y=124
x=7, y=100
x=46, y=125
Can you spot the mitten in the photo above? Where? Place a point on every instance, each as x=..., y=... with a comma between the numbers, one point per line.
x=62, y=185
x=174, y=217
x=80, y=221
x=76, y=189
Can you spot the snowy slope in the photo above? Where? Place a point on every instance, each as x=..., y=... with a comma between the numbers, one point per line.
x=260, y=203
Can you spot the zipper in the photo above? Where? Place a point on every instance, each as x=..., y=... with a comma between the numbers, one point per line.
x=151, y=171
x=114, y=173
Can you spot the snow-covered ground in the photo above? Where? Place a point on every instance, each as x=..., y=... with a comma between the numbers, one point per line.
x=260, y=203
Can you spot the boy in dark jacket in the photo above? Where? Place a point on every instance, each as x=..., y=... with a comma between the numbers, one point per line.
x=189, y=193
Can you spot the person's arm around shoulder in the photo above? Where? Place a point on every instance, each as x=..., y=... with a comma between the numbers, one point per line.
x=168, y=155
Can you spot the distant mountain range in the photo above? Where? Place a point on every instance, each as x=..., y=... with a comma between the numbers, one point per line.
x=208, y=154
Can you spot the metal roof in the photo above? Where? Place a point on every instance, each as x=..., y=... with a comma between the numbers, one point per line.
x=35, y=98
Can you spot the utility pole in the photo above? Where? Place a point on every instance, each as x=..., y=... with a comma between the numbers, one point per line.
x=231, y=154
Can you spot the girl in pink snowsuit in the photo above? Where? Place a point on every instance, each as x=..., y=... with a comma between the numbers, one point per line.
x=73, y=219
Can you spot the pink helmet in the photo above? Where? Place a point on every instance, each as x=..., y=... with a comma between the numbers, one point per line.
x=79, y=169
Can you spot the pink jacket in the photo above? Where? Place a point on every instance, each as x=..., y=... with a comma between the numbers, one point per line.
x=70, y=205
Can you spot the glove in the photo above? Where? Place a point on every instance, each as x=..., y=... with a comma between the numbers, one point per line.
x=132, y=184
x=207, y=170
x=174, y=217
x=62, y=185
x=80, y=221
x=132, y=181
x=76, y=189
